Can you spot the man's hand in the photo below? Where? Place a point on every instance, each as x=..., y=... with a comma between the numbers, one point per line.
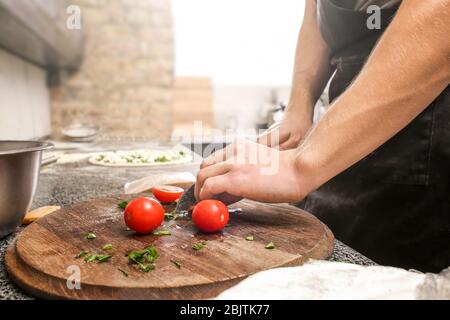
x=287, y=133
x=252, y=171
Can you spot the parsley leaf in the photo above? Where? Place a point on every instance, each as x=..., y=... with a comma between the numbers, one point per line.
x=198, y=246
x=140, y=257
x=90, y=235
x=162, y=232
x=90, y=258
x=270, y=245
x=103, y=257
x=122, y=205
x=162, y=159
x=108, y=246
x=81, y=254
x=176, y=263
x=123, y=272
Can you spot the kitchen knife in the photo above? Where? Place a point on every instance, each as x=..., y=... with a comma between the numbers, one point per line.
x=188, y=201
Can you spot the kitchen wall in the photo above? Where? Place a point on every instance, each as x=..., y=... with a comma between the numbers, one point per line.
x=125, y=83
x=24, y=99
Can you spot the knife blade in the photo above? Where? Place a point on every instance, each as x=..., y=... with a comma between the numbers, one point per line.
x=187, y=200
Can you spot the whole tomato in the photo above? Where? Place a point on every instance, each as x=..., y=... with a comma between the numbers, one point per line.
x=210, y=215
x=143, y=215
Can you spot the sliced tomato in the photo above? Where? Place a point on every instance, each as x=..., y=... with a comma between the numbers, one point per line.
x=167, y=194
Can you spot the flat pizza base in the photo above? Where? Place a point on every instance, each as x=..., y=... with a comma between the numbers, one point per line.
x=93, y=161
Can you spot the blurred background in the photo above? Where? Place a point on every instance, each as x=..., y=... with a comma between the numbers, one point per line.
x=144, y=69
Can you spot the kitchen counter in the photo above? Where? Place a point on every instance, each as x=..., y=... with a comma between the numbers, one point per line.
x=65, y=184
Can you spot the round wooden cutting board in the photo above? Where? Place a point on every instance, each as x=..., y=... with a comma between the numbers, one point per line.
x=42, y=259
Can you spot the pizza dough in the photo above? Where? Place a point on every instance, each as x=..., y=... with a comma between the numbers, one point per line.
x=142, y=157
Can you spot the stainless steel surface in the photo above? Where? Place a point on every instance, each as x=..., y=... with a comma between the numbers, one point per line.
x=20, y=162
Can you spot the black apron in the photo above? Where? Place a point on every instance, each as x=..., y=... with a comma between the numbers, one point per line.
x=394, y=205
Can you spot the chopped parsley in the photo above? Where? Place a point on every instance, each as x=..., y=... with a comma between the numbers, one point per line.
x=249, y=238
x=108, y=246
x=145, y=259
x=162, y=232
x=98, y=258
x=176, y=263
x=81, y=254
x=90, y=236
x=122, y=205
x=162, y=159
x=123, y=272
x=270, y=245
x=198, y=246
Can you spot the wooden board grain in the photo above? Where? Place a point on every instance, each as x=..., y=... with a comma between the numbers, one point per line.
x=40, y=260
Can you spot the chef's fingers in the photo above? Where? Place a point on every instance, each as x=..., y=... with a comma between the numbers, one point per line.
x=214, y=186
x=288, y=145
x=221, y=155
x=217, y=169
x=274, y=137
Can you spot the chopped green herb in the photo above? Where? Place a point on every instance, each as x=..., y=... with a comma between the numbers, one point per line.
x=90, y=258
x=174, y=215
x=123, y=272
x=270, y=245
x=139, y=257
x=182, y=153
x=162, y=159
x=169, y=216
x=108, y=246
x=249, y=238
x=90, y=236
x=81, y=254
x=146, y=267
x=176, y=263
x=162, y=232
x=198, y=246
x=98, y=257
x=122, y=205
x=103, y=257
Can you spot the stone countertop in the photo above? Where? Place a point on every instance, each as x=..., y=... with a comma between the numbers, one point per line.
x=65, y=184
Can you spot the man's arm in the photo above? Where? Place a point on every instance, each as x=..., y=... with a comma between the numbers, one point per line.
x=407, y=70
x=311, y=73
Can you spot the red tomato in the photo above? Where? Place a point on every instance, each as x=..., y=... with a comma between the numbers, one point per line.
x=167, y=194
x=144, y=215
x=210, y=215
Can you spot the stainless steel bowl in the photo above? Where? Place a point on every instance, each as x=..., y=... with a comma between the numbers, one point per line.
x=20, y=162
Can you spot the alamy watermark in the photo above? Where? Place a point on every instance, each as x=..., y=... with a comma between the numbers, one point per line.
x=74, y=279
x=374, y=20
x=239, y=148
x=73, y=21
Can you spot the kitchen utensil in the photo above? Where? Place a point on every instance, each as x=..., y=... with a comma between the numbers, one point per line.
x=80, y=132
x=38, y=213
x=187, y=200
x=20, y=162
x=180, y=179
x=42, y=258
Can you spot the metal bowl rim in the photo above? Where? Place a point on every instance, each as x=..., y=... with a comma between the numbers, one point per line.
x=40, y=146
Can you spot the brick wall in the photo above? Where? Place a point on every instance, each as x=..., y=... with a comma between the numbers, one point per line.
x=193, y=101
x=125, y=83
